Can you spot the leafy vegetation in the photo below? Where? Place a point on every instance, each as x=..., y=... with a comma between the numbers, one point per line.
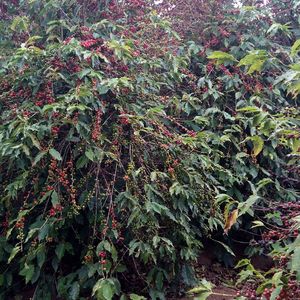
x=128, y=140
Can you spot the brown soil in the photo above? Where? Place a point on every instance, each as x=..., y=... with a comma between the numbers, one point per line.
x=230, y=294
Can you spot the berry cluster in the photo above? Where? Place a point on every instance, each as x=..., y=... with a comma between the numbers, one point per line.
x=124, y=120
x=291, y=291
x=20, y=223
x=97, y=125
x=102, y=256
x=224, y=33
x=55, y=130
x=248, y=291
x=284, y=233
x=63, y=176
x=225, y=70
x=56, y=209
x=90, y=43
x=45, y=95
x=20, y=94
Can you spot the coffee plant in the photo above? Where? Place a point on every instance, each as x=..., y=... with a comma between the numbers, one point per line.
x=134, y=132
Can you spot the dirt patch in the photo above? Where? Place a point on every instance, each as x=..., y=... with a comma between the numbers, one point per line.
x=222, y=293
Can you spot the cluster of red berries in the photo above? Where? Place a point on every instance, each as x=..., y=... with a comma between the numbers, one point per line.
x=5, y=223
x=115, y=11
x=165, y=132
x=56, y=209
x=225, y=70
x=68, y=39
x=224, y=32
x=291, y=206
x=111, y=222
x=281, y=260
x=89, y=43
x=136, y=3
x=191, y=133
x=289, y=210
x=75, y=117
x=122, y=68
x=291, y=291
x=20, y=223
x=71, y=65
x=102, y=256
x=4, y=8
x=114, y=223
x=172, y=164
x=210, y=67
x=61, y=175
x=45, y=95
x=288, y=292
x=88, y=6
x=259, y=87
x=274, y=235
x=212, y=43
x=97, y=125
x=57, y=174
x=88, y=258
x=26, y=113
x=55, y=130
x=248, y=290
x=124, y=120
x=20, y=94
x=4, y=85
x=57, y=63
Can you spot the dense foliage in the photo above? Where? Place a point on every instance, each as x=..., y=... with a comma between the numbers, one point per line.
x=133, y=132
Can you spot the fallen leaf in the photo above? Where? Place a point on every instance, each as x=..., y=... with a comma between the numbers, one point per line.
x=230, y=220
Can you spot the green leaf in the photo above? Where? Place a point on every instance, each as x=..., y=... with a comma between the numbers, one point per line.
x=255, y=60
x=35, y=141
x=276, y=293
x=202, y=291
x=258, y=144
x=243, y=263
x=264, y=182
x=295, y=48
x=41, y=255
x=90, y=154
x=221, y=57
x=13, y=253
x=27, y=272
x=31, y=233
x=188, y=275
x=276, y=279
x=159, y=280
x=43, y=232
x=226, y=247
x=244, y=207
x=249, y=109
x=257, y=224
x=39, y=157
x=136, y=297
x=20, y=23
x=256, y=66
x=74, y=291
x=60, y=250
x=84, y=72
x=203, y=296
x=263, y=286
x=114, y=253
x=54, y=198
x=295, y=262
x=103, y=289
x=55, y=154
